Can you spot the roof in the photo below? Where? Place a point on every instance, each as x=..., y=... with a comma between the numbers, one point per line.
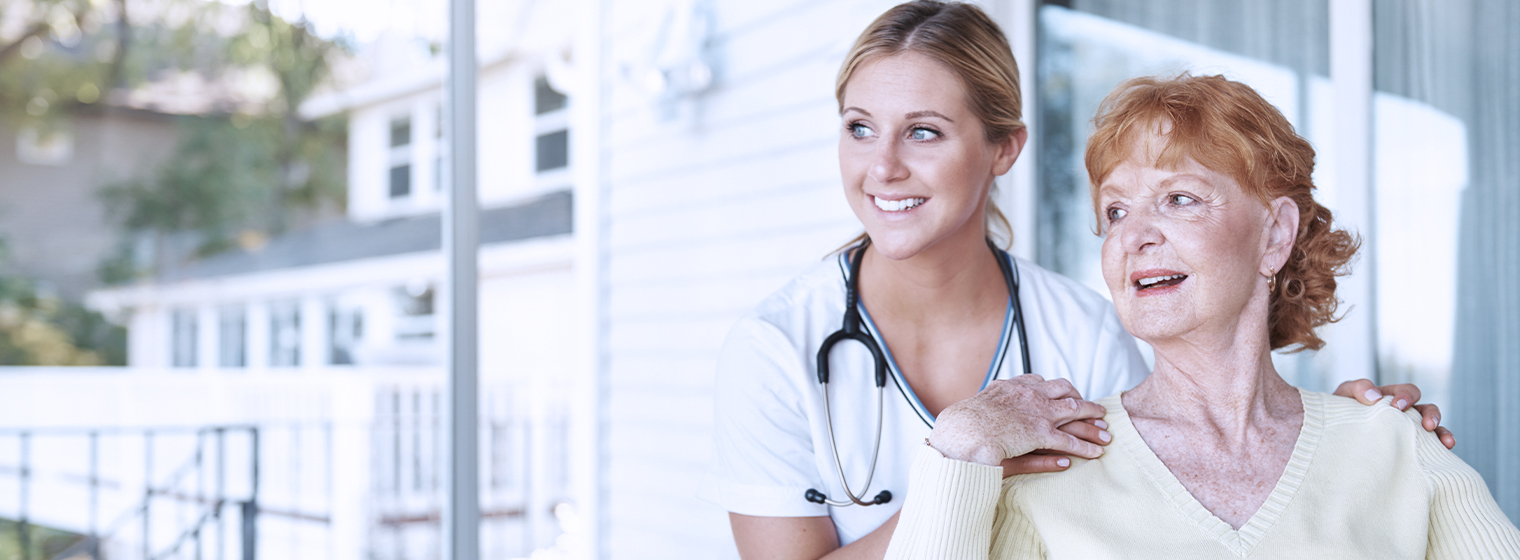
x=550, y=214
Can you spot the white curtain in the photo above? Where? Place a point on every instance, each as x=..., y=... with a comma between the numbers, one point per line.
x=1463, y=57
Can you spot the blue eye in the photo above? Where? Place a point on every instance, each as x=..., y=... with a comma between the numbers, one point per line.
x=1116, y=213
x=859, y=130
x=923, y=134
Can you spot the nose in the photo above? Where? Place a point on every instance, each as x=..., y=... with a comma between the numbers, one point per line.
x=1141, y=231
x=886, y=163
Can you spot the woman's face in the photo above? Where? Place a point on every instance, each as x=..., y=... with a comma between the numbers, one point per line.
x=916, y=163
x=1184, y=250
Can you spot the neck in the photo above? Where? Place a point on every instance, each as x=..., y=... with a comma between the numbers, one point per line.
x=947, y=281
x=1222, y=381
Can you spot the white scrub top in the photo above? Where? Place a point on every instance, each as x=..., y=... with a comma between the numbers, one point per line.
x=771, y=443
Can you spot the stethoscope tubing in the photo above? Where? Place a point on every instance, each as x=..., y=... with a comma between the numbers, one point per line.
x=851, y=330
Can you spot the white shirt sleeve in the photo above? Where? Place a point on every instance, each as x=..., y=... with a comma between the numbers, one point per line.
x=763, y=461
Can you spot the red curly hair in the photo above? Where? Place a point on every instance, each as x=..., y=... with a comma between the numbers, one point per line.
x=1229, y=128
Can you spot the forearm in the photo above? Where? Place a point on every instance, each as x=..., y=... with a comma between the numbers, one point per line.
x=804, y=538
x=950, y=511
x=873, y=546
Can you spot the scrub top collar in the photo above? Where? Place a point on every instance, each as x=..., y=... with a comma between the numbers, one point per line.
x=903, y=388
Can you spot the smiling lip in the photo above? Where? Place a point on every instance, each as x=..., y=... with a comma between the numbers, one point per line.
x=897, y=204
x=1156, y=281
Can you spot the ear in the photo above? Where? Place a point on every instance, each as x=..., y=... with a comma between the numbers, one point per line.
x=1282, y=233
x=1008, y=151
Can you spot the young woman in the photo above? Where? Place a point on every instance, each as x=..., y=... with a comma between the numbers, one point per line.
x=930, y=115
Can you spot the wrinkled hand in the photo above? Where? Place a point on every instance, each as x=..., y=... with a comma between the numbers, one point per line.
x=1013, y=417
x=1094, y=430
x=1404, y=395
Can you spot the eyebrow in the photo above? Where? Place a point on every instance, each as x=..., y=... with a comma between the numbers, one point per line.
x=1107, y=187
x=922, y=114
x=913, y=115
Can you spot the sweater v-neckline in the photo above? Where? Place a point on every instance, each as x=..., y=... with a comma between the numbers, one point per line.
x=1243, y=540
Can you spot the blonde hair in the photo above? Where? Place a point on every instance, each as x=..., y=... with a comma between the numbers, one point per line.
x=964, y=39
x=1227, y=127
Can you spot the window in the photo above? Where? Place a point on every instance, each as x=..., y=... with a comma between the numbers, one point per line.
x=184, y=334
x=553, y=150
x=414, y=304
x=231, y=337
x=285, y=334
x=344, y=329
x=551, y=144
x=401, y=158
x=1445, y=251
x=545, y=99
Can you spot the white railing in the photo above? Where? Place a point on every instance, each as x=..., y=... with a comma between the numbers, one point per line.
x=339, y=463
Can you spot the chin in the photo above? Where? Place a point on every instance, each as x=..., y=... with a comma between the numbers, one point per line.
x=896, y=246
x=1151, y=325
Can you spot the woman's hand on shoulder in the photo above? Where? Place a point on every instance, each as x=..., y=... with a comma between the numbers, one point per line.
x=1012, y=418
x=1405, y=395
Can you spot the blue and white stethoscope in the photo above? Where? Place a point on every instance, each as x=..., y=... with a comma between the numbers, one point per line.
x=852, y=331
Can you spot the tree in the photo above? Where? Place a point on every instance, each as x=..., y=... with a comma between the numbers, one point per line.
x=39, y=329
x=238, y=177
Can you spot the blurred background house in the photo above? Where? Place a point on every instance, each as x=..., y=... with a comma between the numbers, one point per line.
x=266, y=244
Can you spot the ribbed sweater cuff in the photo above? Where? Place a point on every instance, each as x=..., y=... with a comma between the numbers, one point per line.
x=949, y=509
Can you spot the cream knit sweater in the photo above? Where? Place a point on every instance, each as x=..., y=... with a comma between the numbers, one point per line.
x=1363, y=482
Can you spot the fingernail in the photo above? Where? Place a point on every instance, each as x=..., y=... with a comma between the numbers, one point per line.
x=1101, y=424
x=1063, y=462
x=1103, y=435
x=1438, y=420
x=1373, y=394
x=1401, y=405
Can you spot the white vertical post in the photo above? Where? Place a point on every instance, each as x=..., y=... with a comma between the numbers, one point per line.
x=1354, y=343
x=1019, y=199
x=588, y=399
x=461, y=240
x=352, y=453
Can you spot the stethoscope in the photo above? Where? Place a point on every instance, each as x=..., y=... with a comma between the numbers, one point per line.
x=852, y=331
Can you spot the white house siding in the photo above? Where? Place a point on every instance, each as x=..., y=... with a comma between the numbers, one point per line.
x=506, y=132
x=712, y=202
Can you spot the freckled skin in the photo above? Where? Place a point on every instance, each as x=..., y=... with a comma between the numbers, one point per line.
x=1214, y=411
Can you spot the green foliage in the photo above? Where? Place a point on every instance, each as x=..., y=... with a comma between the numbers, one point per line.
x=42, y=542
x=235, y=176
x=42, y=330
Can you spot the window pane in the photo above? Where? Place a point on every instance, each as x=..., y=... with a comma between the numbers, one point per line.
x=545, y=99
x=1447, y=243
x=401, y=181
x=401, y=132
x=285, y=335
x=232, y=337
x=184, y=337
x=553, y=150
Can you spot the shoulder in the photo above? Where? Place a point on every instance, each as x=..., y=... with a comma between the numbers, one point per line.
x=821, y=285
x=776, y=336
x=1345, y=413
x=1059, y=291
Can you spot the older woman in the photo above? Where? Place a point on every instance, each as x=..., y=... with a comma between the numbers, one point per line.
x=1216, y=254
